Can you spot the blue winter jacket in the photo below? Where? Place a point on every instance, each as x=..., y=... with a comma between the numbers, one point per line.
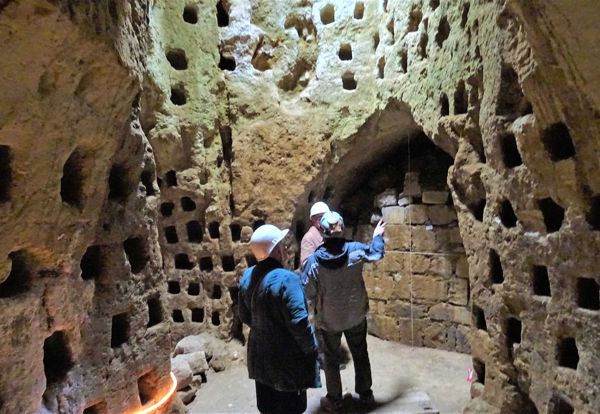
x=333, y=281
x=282, y=348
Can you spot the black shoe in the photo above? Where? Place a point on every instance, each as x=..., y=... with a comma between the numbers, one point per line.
x=330, y=405
x=367, y=398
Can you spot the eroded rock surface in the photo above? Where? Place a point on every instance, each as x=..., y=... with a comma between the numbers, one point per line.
x=83, y=327
x=252, y=111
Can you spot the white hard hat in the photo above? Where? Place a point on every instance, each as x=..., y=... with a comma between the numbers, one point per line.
x=319, y=208
x=268, y=234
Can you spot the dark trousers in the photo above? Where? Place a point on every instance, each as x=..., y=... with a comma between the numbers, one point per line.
x=357, y=342
x=271, y=401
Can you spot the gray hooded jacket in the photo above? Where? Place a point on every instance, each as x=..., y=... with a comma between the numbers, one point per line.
x=333, y=281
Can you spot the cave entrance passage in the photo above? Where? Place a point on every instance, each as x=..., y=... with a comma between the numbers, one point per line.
x=419, y=293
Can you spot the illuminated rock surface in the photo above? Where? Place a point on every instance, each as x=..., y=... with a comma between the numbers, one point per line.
x=140, y=143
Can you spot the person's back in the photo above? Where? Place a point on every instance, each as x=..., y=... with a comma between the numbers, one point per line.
x=311, y=240
x=282, y=349
x=341, y=299
x=333, y=280
x=276, y=355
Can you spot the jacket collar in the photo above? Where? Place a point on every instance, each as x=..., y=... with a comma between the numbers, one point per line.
x=268, y=264
x=333, y=254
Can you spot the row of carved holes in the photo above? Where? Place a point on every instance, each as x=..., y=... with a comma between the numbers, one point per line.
x=206, y=263
x=183, y=262
x=587, y=290
x=212, y=291
x=197, y=316
x=58, y=358
x=556, y=140
x=195, y=232
x=567, y=353
x=461, y=101
x=553, y=214
x=559, y=145
x=93, y=264
x=190, y=14
x=72, y=180
x=328, y=12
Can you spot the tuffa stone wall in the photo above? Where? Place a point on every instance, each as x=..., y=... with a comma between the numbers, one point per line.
x=255, y=109
x=261, y=108
x=83, y=327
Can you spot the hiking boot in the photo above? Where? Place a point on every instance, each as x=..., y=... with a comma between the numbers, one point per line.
x=329, y=405
x=367, y=398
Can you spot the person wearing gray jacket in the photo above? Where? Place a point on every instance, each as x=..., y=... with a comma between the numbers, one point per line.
x=333, y=281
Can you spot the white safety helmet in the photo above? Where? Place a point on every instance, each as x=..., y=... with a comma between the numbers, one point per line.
x=268, y=235
x=319, y=208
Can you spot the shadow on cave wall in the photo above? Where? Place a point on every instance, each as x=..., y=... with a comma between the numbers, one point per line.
x=357, y=204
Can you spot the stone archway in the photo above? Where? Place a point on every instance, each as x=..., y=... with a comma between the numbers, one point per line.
x=419, y=293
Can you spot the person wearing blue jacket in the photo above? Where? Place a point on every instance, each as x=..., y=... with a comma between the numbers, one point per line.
x=334, y=283
x=282, y=349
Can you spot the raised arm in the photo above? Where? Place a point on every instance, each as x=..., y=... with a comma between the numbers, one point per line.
x=372, y=252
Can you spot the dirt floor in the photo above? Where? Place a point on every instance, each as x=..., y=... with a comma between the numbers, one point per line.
x=400, y=375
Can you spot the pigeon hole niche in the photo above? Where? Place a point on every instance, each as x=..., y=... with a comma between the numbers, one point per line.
x=375, y=178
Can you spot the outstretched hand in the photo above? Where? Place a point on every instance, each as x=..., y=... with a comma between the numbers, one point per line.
x=379, y=229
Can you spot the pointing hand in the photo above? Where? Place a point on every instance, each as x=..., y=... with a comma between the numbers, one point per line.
x=380, y=229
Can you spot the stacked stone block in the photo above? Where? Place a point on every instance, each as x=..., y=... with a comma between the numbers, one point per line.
x=419, y=292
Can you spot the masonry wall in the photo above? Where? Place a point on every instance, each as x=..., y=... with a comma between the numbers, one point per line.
x=419, y=292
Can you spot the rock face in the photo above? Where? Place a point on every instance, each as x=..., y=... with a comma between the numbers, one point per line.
x=251, y=111
x=195, y=355
x=83, y=326
x=291, y=102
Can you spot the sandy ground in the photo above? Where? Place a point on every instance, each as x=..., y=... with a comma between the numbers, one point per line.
x=399, y=372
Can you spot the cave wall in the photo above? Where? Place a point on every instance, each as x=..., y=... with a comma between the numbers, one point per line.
x=286, y=102
x=81, y=281
x=252, y=109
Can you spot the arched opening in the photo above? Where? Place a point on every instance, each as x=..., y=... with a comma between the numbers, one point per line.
x=177, y=58
x=178, y=94
x=345, y=52
x=72, y=181
x=155, y=311
x=19, y=279
x=222, y=14
x=392, y=169
x=359, y=10
x=328, y=14
x=119, y=183
x=190, y=14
